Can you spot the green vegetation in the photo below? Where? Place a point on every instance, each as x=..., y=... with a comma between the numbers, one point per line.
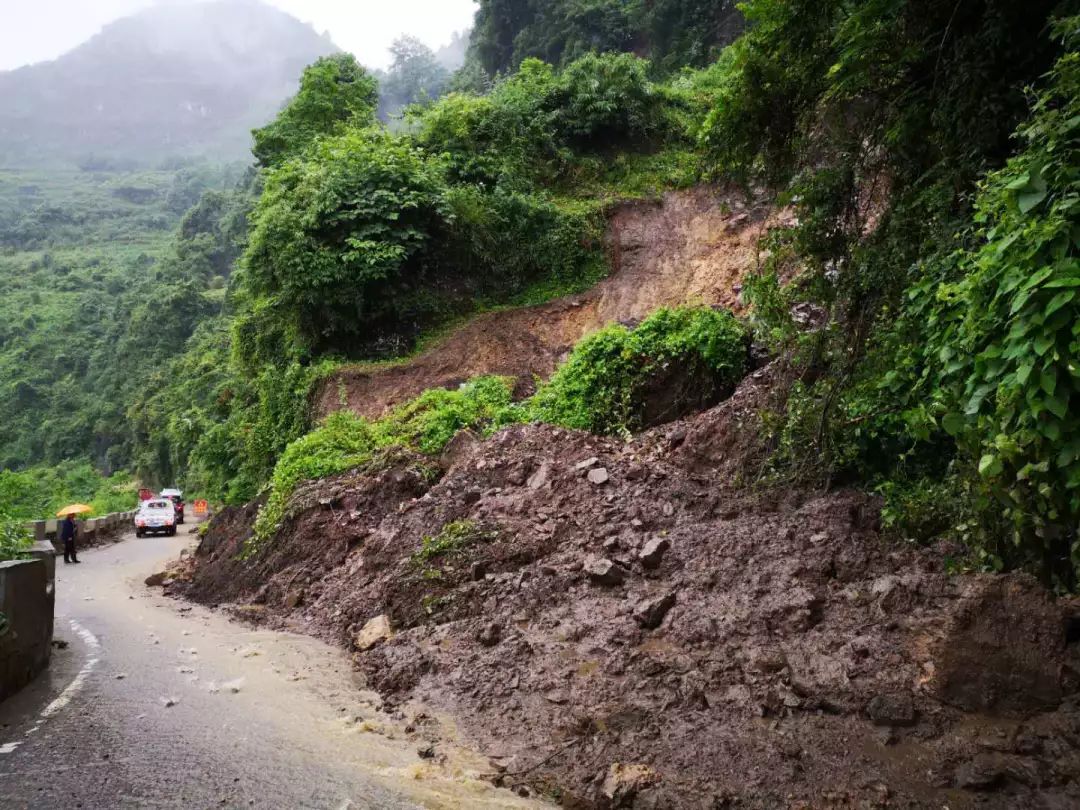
x=15, y=540
x=675, y=33
x=37, y=493
x=621, y=380
x=453, y=538
x=345, y=441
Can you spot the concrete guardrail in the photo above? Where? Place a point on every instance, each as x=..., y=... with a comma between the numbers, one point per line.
x=46, y=531
x=27, y=599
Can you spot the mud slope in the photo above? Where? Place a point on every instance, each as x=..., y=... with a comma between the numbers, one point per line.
x=626, y=629
x=689, y=247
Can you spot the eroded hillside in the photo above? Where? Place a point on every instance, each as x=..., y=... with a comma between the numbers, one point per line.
x=688, y=247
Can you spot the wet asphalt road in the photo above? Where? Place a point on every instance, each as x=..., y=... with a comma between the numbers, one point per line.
x=258, y=718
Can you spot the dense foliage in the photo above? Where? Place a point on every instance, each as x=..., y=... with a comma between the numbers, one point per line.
x=37, y=493
x=96, y=293
x=944, y=371
x=674, y=33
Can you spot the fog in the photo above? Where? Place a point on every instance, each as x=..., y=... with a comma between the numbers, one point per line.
x=38, y=30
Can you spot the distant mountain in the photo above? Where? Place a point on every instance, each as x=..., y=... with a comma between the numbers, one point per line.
x=173, y=81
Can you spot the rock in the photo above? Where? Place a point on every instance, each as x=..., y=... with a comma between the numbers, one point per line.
x=896, y=709
x=604, y=572
x=376, y=631
x=652, y=553
x=540, y=477
x=490, y=634
x=169, y=702
x=427, y=752
x=636, y=472
x=599, y=476
x=155, y=580
x=982, y=772
x=461, y=448
x=650, y=613
x=294, y=598
x=478, y=570
x=584, y=465
x=623, y=782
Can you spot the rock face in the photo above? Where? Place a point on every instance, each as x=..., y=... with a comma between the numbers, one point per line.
x=774, y=650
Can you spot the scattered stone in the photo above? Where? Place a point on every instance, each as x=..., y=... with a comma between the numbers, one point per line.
x=376, y=631
x=604, y=572
x=478, y=570
x=169, y=702
x=584, y=465
x=896, y=709
x=636, y=472
x=599, y=476
x=650, y=613
x=428, y=752
x=120, y=676
x=539, y=478
x=155, y=580
x=59, y=644
x=668, y=509
x=982, y=772
x=490, y=634
x=294, y=598
x=652, y=554
x=623, y=782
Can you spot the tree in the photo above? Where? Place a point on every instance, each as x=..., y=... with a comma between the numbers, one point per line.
x=335, y=92
x=415, y=76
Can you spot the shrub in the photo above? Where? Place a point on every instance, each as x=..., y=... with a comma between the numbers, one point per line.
x=15, y=538
x=451, y=539
x=337, y=237
x=342, y=442
x=621, y=380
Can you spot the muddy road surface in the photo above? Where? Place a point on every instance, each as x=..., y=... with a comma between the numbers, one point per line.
x=154, y=703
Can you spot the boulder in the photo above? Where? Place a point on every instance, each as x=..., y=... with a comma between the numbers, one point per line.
x=375, y=632
x=896, y=709
x=604, y=572
x=624, y=782
x=652, y=553
x=650, y=612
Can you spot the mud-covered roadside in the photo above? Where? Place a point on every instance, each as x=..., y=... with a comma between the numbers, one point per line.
x=616, y=625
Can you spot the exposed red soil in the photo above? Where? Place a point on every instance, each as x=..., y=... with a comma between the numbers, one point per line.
x=687, y=247
x=654, y=637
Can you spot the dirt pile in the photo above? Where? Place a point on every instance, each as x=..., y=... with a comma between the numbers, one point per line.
x=618, y=625
x=687, y=247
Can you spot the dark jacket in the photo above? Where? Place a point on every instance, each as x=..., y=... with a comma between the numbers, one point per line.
x=68, y=530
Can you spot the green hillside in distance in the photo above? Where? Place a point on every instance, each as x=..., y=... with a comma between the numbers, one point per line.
x=170, y=82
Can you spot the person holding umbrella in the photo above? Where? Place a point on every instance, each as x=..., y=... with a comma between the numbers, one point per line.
x=69, y=530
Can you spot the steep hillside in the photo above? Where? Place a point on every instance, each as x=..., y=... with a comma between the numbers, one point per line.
x=688, y=247
x=174, y=80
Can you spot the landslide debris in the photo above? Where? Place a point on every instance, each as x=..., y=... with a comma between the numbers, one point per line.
x=617, y=624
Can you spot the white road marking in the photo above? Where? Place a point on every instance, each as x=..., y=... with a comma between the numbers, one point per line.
x=65, y=697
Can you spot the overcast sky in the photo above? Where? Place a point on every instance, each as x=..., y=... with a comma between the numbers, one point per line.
x=36, y=30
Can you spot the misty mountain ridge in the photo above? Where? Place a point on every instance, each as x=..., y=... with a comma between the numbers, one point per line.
x=172, y=81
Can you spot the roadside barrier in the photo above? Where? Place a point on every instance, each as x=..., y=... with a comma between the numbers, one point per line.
x=90, y=530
